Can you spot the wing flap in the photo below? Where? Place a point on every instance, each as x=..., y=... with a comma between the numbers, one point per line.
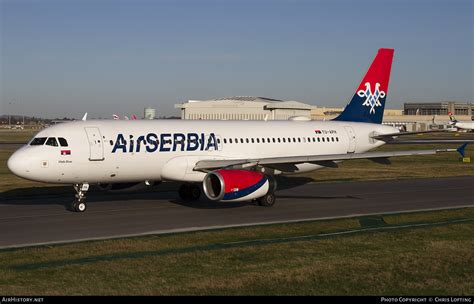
x=390, y=136
x=324, y=160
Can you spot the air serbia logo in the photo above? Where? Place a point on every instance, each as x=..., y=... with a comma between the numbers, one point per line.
x=166, y=142
x=371, y=99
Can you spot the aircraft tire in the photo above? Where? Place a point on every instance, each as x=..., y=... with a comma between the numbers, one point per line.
x=195, y=192
x=79, y=206
x=185, y=192
x=268, y=200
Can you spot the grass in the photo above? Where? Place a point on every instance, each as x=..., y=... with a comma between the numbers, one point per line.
x=436, y=259
x=16, y=136
x=426, y=166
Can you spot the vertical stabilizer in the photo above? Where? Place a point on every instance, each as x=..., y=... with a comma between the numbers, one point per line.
x=368, y=102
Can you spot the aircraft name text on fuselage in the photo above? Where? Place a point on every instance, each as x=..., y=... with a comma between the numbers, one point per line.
x=165, y=142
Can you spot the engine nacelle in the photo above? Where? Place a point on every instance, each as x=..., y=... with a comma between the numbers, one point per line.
x=235, y=185
x=126, y=187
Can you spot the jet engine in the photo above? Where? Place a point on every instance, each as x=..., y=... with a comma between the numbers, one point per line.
x=126, y=187
x=235, y=185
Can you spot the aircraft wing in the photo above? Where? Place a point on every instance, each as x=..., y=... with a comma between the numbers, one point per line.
x=397, y=138
x=431, y=141
x=390, y=136
x=323, y=160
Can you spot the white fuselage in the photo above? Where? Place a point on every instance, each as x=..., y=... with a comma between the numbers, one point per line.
x=464, y=125
x=111, y=151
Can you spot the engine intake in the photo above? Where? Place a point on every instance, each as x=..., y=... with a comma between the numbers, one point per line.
x=235, y=185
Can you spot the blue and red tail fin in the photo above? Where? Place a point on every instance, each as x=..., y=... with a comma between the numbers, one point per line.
x=452, y=119
x=368, y=102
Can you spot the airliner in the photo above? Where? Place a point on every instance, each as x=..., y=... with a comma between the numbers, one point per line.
x=228, y=160
x=463, y=125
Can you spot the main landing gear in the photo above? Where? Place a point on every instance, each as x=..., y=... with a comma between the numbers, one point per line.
x=268, y=200
x=189, y=192
x=79, y=204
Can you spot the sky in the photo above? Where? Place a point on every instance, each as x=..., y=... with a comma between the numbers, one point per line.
x=61, y=58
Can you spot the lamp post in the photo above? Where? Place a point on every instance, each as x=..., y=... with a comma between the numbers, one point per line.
x=9, y=116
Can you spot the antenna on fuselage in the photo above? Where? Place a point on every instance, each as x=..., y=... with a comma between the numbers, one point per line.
x=84, y=117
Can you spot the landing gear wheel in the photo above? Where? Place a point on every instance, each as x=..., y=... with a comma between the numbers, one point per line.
x=268, y=200
x=79, y=206
x=184, y=192
x=195, y=193
x=189, y=192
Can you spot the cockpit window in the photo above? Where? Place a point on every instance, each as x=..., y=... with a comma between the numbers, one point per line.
x=38, y=141
x=52, y=142
x=62, y=142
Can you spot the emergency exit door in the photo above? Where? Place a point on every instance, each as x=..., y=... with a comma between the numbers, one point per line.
x=96, y=145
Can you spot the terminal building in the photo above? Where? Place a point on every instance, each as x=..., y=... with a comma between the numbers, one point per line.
x=438, y=108
x=413, y=116
x=243, y=108
x=149, y=113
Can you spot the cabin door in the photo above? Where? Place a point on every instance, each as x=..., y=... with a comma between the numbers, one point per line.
x=96, y=144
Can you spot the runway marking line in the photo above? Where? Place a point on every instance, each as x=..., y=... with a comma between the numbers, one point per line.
x=228, y=245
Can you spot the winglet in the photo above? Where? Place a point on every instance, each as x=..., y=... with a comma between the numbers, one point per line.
x=84, y=117
x=462, y=149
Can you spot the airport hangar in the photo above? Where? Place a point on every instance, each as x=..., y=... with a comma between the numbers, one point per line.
x=414, y=116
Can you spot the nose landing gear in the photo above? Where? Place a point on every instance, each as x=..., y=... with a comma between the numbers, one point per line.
x=79, y=204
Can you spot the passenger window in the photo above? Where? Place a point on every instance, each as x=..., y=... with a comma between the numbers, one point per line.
x=247, y=140
x=278, y=139
x=225, y=140
x=323, y=139
x=38, y=141
x=62, y=142
x=273, y=139
x=252, y=141
x=258, y=140
x=263, y=140
x=52, y=142
x=319, y=139
x=337, y=139
x=284, y=139
x=299, y=139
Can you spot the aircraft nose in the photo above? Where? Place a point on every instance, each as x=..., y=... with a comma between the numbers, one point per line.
x=19, y=164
